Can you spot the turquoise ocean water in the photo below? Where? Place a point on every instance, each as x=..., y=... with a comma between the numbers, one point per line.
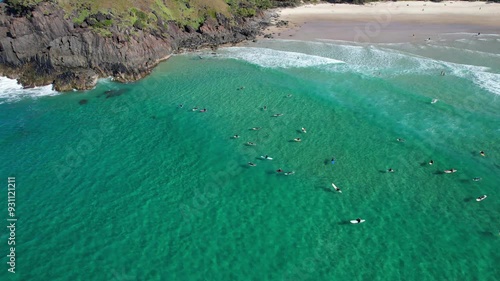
x=131, y=187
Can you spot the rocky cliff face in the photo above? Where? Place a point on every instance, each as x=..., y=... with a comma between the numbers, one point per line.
x=46, y=48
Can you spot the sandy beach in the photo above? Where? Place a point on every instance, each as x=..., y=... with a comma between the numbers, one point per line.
x=386, y=21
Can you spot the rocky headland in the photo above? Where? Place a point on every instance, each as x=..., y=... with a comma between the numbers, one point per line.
x=43, y=45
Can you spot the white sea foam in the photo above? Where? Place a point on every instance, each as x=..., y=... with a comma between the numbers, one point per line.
x=11, y=91
x=274, y=58
x=367, y=59
x=370, y=59
x=470, y=51
x=472, y=34
x=479, y=75
x=488, y=81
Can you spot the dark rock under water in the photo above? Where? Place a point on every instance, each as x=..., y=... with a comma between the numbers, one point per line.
x=113, y=93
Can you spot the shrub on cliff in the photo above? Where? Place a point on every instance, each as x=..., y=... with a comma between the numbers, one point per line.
x=246, y=12
x=22, y=7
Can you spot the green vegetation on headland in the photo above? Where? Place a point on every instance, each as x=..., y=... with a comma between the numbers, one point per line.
x=145, y=14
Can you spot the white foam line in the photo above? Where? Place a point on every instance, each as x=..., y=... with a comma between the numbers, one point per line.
x=465, y=50
x=366, y=59
x=488, y=81
x=374, y=58
x=472, y=34
x=478, y=74
x=11, y=91
x=275, y=59
x=343, y=42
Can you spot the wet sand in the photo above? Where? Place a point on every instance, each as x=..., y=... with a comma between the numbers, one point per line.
x=387, y=21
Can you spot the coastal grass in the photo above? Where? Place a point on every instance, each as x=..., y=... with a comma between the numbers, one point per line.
x=144, y=14
x=149, y=15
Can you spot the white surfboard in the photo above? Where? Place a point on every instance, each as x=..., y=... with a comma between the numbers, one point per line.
x=481, y=198
x=355, y=221
x=336, y=188
x=268, y=158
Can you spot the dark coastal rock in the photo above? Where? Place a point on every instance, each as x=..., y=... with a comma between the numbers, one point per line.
x=46, y=47
x=282, y=23
x=75, y=79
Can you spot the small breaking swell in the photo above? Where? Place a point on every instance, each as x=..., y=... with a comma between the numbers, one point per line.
x=479, y=75
x=488, y=81
x=270, y=58
x=11, y=91
x=372, y=59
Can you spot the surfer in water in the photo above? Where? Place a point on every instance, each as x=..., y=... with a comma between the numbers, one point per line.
x=203, y=110
x=390, y=170
x=431, y=162
x=400, y=140
x=337, y=189
x=251, y=164
x=304, y=130
x=181, y=105
x=264, y=108
x=279, y=170
x=297, y=139
x=482, y=153
x=476, y=179
x=358, y=220
x=235, y=136
x=450, y=171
